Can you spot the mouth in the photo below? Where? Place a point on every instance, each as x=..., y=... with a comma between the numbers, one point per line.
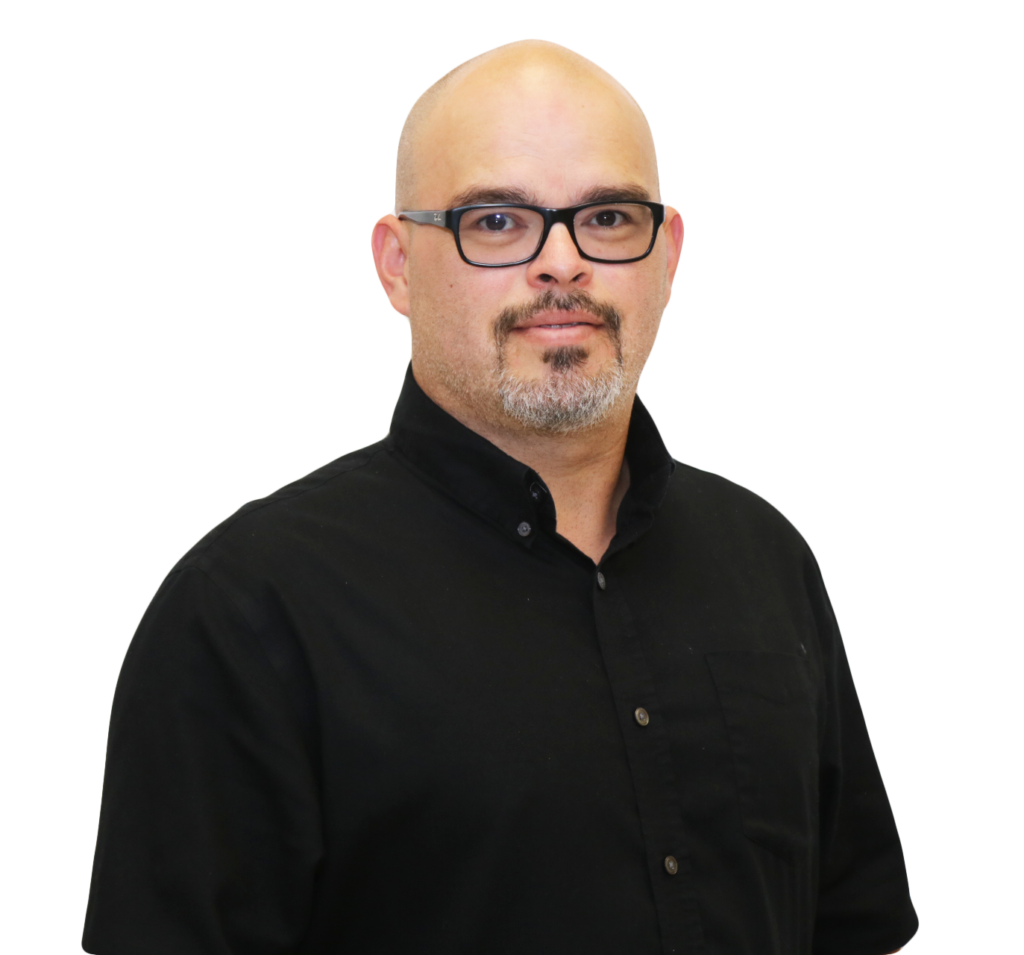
x=551, y=321
x=559, y=322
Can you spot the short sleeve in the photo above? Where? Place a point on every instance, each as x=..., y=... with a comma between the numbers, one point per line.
x=864, y=905
x=210, y=832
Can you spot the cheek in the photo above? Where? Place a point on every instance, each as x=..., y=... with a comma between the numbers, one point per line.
x=434, y=306
x=641, y=296
x=453, y=305
x=430, y=268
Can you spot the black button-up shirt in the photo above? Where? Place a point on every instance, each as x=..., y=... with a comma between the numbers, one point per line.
x=388, y=709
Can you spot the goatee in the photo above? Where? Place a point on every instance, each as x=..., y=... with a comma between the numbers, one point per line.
x=567, y=399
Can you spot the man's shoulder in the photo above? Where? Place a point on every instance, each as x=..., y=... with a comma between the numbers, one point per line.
x=273, y=524
x=722, y=506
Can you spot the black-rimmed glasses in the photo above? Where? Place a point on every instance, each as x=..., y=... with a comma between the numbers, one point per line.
x=496, y=235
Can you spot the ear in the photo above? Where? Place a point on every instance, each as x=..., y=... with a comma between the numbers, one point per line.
x=390, y=243
x=674, y=237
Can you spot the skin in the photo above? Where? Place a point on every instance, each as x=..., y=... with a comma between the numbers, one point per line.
x=538, y=119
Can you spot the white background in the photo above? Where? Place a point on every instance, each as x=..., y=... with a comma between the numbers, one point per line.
x=191, y=319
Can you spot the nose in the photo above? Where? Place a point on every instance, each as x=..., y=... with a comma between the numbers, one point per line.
x=559, y=264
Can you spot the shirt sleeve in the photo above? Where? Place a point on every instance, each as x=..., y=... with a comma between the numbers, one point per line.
x=210, y=834
x=864, y=905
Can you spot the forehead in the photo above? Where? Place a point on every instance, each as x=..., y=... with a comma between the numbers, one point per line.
x=556, y=138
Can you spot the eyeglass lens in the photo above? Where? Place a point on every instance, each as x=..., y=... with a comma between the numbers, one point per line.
x=498, y=236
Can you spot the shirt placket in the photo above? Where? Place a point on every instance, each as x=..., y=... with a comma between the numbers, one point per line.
x=650, y=763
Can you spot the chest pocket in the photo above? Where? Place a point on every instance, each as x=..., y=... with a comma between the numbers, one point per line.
x=768, y=704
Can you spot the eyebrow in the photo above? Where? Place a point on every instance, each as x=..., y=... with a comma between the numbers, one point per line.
x=482, y=195
x=608, y=193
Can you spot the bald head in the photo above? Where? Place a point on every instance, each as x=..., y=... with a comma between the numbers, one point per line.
x=470, y=107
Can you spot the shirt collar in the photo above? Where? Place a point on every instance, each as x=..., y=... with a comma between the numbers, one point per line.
x=505, y=492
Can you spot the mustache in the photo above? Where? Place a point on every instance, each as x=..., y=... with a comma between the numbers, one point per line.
x=576, y=301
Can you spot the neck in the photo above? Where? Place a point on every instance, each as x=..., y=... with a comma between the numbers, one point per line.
x=585, y=471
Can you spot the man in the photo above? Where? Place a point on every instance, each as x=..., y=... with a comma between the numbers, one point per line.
x=511, y=680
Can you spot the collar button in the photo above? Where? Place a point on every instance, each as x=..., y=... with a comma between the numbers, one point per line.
x=524, y=529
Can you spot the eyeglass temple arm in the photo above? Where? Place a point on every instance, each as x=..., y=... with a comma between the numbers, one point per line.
x=430, y=217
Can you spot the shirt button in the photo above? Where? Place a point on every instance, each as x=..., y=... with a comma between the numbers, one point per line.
x=641, y=716
x=535, y=491
x=524, y=529
x=601, y=582
x=671, y=865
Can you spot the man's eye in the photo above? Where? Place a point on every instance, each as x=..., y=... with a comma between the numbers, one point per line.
x=607, y=218
x=498, y=222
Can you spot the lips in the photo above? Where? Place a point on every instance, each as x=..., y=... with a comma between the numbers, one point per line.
x=557, y=320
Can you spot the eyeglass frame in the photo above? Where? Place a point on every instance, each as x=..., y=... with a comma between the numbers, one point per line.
x=450, y=219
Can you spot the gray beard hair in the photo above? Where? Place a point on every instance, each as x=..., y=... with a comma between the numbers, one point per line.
x=567, y=399
x=564, y=402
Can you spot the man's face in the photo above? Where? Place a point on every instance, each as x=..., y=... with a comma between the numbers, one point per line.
x=559, y=330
